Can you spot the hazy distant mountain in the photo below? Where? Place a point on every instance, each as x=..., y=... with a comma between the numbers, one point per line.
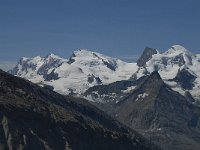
x=38, y=118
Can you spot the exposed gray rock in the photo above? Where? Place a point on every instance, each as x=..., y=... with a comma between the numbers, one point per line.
x=51, y=76
x=185, y=78
x=92, y=78
x=71, y=59
x=146, y=56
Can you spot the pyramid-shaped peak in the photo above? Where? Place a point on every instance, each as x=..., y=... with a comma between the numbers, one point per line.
x=155, y=75
x=153, y=80
x=146, y=56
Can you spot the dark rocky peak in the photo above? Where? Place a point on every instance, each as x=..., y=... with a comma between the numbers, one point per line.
x=153, y=82
x=146, y=56
x=145, y=91
x=161, y=114
x=155, y=75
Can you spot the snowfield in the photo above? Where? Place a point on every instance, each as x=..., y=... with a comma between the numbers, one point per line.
x=169, y=63
x=85, y=69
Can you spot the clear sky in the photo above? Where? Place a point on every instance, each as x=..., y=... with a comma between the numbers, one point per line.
x=112, y=27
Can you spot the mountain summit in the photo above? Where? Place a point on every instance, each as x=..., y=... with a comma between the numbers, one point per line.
x=146, y=56
x=177, y=49
x=160, y=114
x=173, y=64
x=84, y=69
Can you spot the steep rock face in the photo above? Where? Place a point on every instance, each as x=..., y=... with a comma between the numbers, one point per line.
x=32, y=117
x=146, y=56
x=160, y=114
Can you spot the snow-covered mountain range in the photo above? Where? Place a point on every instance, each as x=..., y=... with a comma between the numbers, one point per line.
x=82, y=70
x=178, y=67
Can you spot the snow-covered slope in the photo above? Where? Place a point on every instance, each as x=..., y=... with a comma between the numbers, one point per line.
x=177, y=67
x=84, y=69
x=36, y=69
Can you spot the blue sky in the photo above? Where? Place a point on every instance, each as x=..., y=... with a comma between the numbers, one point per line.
x=119, y=28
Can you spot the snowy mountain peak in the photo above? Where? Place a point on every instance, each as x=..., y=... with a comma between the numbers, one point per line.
x=29, y=61
x=82, y=55
x=87, y=54
x=24, y=59
x=178, y=67
x=86, y=69
x=177, y=49
x=50, y=55
x=82, y=52
x=83, y=70
x=53, y=56
x=89, y=58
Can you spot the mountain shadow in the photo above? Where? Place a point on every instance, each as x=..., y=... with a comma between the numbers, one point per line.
x=35, y=118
